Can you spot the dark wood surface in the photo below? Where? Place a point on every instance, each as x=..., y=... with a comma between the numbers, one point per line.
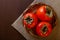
x=10, y=10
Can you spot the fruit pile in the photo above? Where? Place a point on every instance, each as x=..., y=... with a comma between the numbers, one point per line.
x=40, y=20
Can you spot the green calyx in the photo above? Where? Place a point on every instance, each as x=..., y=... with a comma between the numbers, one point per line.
x=49, y=11
x=28, y=20
x=44, y=29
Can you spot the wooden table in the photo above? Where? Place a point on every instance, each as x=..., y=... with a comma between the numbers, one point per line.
x=10, y=10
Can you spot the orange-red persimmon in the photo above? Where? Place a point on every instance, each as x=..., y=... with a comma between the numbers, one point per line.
x=44, y=13
x=30, y=20
x=44, y=29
